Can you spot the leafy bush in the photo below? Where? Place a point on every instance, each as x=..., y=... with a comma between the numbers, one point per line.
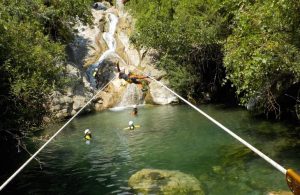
x=32, y=55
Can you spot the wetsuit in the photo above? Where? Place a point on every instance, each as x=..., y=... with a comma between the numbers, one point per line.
x=127, y=78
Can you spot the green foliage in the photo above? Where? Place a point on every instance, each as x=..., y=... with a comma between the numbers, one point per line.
x=179, y=76
x=256, y=41
x=32, y=54
x=189, y=33
x=262, y=56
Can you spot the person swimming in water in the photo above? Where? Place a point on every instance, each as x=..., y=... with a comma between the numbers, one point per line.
x=131, y=125
x=134, y=111
x=87, y=136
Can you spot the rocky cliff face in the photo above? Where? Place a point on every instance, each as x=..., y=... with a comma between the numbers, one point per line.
x=85, y=52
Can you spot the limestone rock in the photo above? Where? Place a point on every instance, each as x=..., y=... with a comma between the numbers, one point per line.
x=79, y=102
x=77, y=92
x=161, y=95
x=86, y=46
x=155, y=181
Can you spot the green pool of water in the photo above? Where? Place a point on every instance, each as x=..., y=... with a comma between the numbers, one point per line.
x=170, y=138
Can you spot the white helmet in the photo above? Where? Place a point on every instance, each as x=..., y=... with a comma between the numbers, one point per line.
x=87, y=131
x=134, y=106
x=130, y=123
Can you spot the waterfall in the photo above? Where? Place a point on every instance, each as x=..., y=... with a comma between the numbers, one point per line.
x=132, y=96
x=111, y=43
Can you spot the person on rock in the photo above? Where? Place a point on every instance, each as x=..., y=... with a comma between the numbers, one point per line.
x=87, y=136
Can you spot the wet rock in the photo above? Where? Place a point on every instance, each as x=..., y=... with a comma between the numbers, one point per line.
x=155, y=181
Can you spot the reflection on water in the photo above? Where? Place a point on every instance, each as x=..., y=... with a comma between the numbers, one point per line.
x=170, y=137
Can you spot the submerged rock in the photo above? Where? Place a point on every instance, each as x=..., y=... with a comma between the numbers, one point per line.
x=155, y=181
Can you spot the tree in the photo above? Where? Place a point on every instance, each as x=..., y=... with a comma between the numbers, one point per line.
x=32, y=56
x=262, y=56
x=187, y=35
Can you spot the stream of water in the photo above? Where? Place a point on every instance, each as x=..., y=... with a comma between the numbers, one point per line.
x=170, y=138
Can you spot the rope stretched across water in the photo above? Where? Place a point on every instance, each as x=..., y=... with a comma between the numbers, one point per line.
x=38, y=151
x=262, y=155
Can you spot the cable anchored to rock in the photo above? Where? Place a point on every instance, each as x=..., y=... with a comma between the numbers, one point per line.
x=45, y=144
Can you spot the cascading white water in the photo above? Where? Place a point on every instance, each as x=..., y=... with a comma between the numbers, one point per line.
x=111, y=43
x=109, y=38
x=133, y=95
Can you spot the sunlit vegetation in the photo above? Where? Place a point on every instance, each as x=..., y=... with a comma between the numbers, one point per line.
x=250, y=46
x=32, y=56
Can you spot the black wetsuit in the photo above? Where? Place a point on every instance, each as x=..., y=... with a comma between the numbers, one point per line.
x=127, y=78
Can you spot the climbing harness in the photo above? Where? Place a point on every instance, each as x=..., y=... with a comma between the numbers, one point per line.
x=38, y=151
x=292, y=178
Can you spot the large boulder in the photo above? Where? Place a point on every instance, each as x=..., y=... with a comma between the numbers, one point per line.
x=160, y=95
x=155, y=181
